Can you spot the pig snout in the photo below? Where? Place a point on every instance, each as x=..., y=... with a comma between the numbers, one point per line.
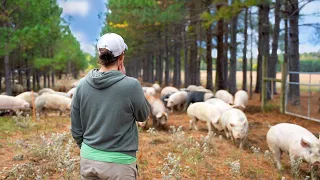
x=163, y=120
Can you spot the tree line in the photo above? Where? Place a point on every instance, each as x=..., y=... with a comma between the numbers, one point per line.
x=36, y=43
x=167, y=36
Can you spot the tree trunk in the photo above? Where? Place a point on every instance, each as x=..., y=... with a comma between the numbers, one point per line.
x=198, y=59
x=34, y=88
x=272, y=63
x=209, y=58
x=19, y=71
x=251, y=51
x=225, y=55
x=48, y=76
x=52, y=78
x=220, y=81
x=38, y=80
x=177, y=65
x=159, y=60
x=294, y=64
x=0, y=80
x=260, y=41
x=28, y=76
x=266, y=38
x=151, y=67
x=167, y=62
x=44, y=79
x=7, y=74
x=244, y=61
x=233, y=58
x=193, y=56
x=186, y=63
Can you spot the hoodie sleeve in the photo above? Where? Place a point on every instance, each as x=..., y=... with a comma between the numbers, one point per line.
x=141, y=107
x=76, y=127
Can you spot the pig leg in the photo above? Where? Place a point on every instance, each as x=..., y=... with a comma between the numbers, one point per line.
x=242, y=142
x=227, y=133
x=276, y=155
x=209, y=127
x=154, y=121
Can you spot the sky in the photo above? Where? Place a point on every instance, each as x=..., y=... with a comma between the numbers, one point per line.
x=86, y=26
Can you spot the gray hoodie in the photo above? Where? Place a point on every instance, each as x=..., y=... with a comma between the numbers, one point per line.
x=104, y=111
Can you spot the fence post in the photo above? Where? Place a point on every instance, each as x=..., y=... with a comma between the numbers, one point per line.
x=263, y=85
x=283, y=86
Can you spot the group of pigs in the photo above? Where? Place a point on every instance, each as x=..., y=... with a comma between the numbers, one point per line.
x=225, y=113
x=43, y=100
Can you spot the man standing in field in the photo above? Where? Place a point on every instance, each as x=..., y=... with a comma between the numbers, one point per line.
x=104, y=111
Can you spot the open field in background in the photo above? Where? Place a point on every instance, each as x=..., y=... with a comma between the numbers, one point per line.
x=187, y=154
x=304, y=78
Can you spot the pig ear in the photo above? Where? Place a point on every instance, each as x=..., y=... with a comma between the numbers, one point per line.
x=232, y=125
x=304, y=143
x=159, y=115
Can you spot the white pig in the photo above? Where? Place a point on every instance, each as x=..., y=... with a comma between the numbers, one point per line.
x=52, y=102
x=158, y=112
x=241, y=99
x=151, y=91
x=221, y=106
x=295, y=140
x=13, y=103
x=168, y=90
x=157, y=87
x=235, y=124
x=27, y=96
x=204, y=112
x=225, y=96
x=46, y=90
x=177, y=99
x=71, y=92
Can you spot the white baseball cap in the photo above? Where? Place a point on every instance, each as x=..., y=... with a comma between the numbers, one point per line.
x=113, y=42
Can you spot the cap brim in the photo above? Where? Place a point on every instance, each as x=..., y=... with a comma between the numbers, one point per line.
x=126, y=47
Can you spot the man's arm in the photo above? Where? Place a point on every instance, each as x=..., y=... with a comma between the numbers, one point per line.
x=141, y=107
x=76, y=127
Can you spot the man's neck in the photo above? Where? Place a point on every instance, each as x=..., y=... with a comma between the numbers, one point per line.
x=106, y=69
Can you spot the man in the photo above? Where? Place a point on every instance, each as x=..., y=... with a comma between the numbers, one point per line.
x=104, y=111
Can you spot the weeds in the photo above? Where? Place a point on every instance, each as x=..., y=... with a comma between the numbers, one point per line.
x=24, y=122
x=53, y=154
x=295, y=167
x=171, y=167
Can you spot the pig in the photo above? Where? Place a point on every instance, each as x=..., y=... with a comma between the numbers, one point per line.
x=46, y=90
x=163, y=99
x=205, y=112
x=71, y=92
x=225, y=96
x=27, y=96
x=241, y=99
x=52, y=102
x=177, y=99
x=168, y=90
x=295, y=140
x=13, y=103
x=197, y=96
x=145, y=88
x=235, y=124
x=192, y=88
x=62, y=94
x=157, y=87
x=75, y=84
x=158, y=112
x=151, y=91
x=221, y=106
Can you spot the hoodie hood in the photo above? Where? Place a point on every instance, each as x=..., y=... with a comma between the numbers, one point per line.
x=102, y=80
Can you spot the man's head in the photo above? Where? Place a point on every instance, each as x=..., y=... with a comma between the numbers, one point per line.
x=111, y=49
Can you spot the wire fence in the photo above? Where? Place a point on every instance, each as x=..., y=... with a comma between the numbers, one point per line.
x=307, y=103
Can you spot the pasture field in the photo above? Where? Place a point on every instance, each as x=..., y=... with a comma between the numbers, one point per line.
x=45, y=150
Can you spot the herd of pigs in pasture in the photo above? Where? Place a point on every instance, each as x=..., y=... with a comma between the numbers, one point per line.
x=220, y=111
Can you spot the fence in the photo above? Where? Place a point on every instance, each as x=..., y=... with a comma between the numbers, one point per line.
x=307, y=104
